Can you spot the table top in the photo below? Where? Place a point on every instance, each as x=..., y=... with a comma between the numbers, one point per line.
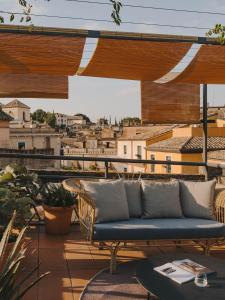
x=167, y=289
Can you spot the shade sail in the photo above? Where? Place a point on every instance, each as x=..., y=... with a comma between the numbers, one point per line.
x=40, y=54
x=207, y=67
x=134, y=60
x=33, y=86
x=170, y=103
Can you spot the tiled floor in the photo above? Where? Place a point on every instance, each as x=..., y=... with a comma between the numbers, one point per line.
x=72, y=262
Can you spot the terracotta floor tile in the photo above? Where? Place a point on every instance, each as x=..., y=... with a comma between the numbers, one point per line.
x=56, y=286
x=73, y=261
x=79, y=279
x=52, y=260
x=51, y=243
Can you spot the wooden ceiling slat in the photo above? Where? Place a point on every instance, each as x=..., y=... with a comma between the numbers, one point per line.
x=40, y=54
x=134, y=60
x=170, y=103
x=33, y=86
x=207, y=67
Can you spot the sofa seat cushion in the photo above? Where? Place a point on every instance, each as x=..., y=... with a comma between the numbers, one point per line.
x=154, y=229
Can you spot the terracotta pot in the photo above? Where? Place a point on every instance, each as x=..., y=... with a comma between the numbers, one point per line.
x=57, y=219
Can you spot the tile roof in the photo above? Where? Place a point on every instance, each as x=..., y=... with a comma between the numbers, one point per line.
x=15, y=103
x=188, y=144
x=4, y=116
x=144, y=133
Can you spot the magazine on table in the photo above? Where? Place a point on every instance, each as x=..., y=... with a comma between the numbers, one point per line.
x=183, y=270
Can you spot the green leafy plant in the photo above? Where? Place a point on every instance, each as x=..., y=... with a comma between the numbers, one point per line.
x=117, y=5
x=12, y=285
x=10, y=201
x=18, y=191
x=57, y=196
x=218, y=32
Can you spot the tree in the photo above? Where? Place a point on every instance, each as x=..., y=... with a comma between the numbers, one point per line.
x=39, y=115
x=219, y=32
x=27, y=7
x=51, y=119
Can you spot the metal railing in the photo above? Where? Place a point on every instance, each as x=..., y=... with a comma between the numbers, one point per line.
x=105, y=160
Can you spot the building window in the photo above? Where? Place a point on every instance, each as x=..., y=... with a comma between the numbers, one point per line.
x=24, y=116
x=139, y=152
x=152, y=165
x=21, y=145
x=125, y=170
x=168, y=167
x=124, y=149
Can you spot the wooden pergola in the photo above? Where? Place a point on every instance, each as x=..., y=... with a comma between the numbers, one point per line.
x=36, y=62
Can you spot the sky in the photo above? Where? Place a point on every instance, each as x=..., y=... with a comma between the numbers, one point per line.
x=98, y=97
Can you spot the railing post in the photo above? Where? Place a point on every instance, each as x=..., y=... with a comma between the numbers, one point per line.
x=205, y=130
x=106, y=169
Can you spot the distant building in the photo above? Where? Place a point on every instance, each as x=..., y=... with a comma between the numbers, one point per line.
x=133, y=143
x=78, y=119
x=4, y=129
x=185, y=144
x=61, y=119
x=19, y=111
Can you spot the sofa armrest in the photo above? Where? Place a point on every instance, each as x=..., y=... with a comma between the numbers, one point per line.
x=86, y=213
x=220, y=203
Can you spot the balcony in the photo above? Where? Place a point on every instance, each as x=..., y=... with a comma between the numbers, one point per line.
x=73, y=261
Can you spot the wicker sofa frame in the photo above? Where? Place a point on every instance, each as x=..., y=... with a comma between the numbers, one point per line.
x=86, y=215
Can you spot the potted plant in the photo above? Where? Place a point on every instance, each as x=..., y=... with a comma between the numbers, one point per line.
x=58, y=207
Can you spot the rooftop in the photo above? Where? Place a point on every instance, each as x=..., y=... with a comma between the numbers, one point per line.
x=188, y=144
x=144, y=133
x=16, y=103
x=4, y=116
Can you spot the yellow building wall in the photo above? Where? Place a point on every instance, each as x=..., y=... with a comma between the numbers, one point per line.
x=161, y=169
x=193, y=157
x=197, y=131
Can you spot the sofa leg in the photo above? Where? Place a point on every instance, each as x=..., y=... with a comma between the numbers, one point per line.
x=207, y=251
x=101, y=246
x=113, y=250
x=178, y=244
x=207, y=247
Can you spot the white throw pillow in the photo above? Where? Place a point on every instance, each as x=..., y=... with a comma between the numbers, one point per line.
x=110, y=200
x=161, y=199
x=197, y=198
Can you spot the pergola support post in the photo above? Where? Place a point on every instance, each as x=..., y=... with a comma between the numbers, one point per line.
x=205, y=129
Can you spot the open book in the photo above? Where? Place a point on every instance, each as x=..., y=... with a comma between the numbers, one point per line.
x=182, y=271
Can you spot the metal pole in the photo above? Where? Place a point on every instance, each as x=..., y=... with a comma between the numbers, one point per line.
x=106, y=170
x=205, y=129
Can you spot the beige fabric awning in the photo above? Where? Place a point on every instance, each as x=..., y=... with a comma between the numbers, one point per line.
x=207, y=67
x=170, y=103
x=33, y=86
x=134, y=60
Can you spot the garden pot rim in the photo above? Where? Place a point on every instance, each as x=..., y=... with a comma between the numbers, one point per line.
x=48, y=207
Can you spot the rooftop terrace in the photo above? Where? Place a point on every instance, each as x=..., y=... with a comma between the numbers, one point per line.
x=73, y=262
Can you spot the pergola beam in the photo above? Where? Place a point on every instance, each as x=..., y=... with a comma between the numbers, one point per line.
x=51, y=31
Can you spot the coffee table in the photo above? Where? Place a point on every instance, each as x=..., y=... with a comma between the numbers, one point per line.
x=166, y=289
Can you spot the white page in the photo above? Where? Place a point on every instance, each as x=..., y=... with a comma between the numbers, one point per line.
x=175, y=273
